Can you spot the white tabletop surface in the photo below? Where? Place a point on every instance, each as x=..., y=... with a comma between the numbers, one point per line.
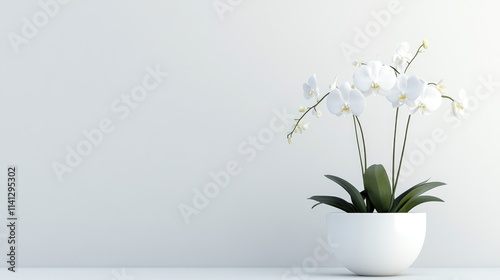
x=237, y=274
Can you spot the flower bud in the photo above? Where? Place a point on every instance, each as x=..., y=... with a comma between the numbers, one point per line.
x=334, y=85
x=425, y=43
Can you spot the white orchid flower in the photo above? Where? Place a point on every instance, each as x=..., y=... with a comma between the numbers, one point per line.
x=346, y=100
x=428, y=102
x=311, y=87
x=441, y=87
x=402, y=55
x=406, y=91
x=374, y=78
x=460, y=105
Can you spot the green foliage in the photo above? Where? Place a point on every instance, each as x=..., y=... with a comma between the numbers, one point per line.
x=377, y=194
x=416, y=200
x=356, y=197
x=369, y=205
x=412, y=193
x=334, y=201
x=378, y=187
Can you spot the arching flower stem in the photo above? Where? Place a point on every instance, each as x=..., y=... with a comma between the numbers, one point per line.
x=402, y=154
x=416, y=53
x=359, y=148
x=364, y=143
x=289, y=135
x=447, y=97
x=394, y=150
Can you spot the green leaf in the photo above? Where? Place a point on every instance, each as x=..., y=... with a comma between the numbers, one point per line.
x=398, y=199
x=414, y=192
x=334, y=201
x=416, y=200
x=356, y=198
x=378, y=187
x=369, y=204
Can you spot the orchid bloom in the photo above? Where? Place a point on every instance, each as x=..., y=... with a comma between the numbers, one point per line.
x=402, y=55
x=406, y=91
x=460, y=105
x=441, y=87
x=345, y=100
x=311, y=87
x=374, y=78
x=429, y=101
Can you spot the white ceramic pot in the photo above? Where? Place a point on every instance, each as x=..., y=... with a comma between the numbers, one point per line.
x=376, y=244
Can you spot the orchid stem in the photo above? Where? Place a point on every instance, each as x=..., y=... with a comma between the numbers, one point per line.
x=363, y=140
x=402, y=153
x=447, y=97
x=289, y=135
x=409, y=63
x=394, y=150
x=359, y=148
x=395, y=70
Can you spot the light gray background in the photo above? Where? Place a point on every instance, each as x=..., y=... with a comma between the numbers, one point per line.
x=120, y=206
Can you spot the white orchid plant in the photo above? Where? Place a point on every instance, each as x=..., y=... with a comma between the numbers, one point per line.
x=373, y=78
